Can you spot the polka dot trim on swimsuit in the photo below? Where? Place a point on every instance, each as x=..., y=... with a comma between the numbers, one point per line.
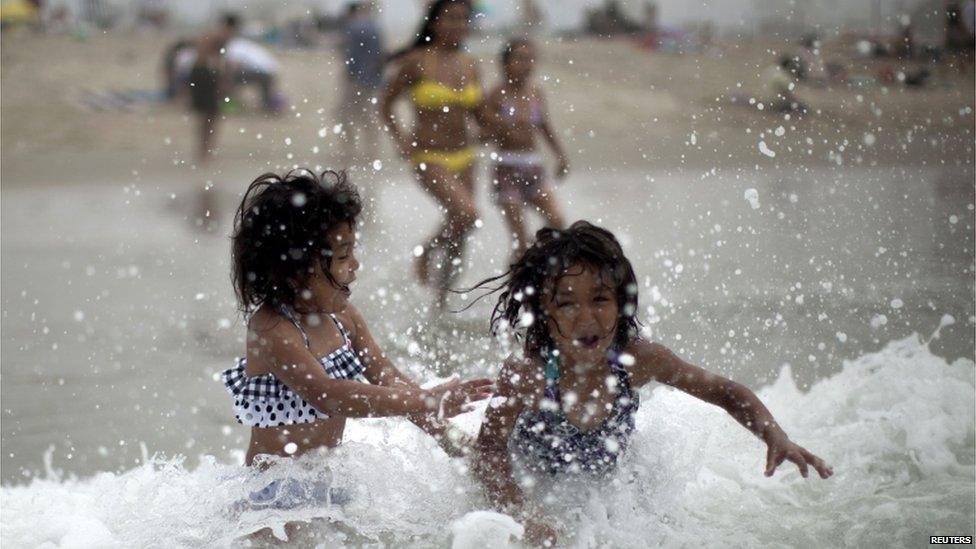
x=264, y=401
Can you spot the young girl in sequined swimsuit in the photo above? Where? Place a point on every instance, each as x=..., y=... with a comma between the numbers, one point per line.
x=566, y=405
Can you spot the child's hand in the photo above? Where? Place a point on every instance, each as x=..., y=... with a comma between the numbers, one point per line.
x=455, y=442
x=453, y=398
x=781, y=448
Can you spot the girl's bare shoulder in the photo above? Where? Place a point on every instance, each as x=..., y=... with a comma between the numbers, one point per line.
x=265, y=321
x=267, y=330
x=351, y=319
x=649, y=360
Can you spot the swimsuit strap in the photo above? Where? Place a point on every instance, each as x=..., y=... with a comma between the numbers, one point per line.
x=342, y=330
x=552, y=376
x=622, y=373
x=288, y=314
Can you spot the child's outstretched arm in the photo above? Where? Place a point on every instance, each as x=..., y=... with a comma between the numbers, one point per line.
x=282, y=345
x=656, y=362
x=492, y=462
x=562, y=162
x=381, y=371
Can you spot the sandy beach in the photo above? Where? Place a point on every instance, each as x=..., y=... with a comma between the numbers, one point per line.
x=648, y=107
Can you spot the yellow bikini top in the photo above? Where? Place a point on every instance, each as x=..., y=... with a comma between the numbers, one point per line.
x=431, y=94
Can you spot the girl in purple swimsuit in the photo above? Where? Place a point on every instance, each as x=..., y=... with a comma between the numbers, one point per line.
x=569, y=399
x=514, y=113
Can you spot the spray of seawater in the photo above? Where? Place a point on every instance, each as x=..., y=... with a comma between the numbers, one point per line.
x=897, y=425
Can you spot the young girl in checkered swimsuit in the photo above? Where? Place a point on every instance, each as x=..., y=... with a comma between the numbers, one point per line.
x=311, y=361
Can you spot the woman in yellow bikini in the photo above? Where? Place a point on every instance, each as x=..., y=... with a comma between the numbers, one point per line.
x=444, y=87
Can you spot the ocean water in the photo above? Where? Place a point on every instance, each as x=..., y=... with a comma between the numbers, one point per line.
x=844, y=297
x=897, y=425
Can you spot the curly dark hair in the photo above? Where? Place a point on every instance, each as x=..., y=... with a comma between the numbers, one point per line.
x=279, y=233
x=539, y=269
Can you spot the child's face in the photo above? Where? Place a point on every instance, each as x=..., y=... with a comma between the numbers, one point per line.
x=520, y=63
x=582, y=311
x=343, y=267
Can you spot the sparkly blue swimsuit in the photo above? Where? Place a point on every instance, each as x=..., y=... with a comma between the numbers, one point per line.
x=554, y=445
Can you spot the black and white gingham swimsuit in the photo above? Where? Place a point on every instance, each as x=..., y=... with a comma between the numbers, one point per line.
x=264, y=401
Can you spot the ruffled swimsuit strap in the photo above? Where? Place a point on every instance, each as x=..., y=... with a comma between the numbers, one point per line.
x=342, y=330
x=290, y=315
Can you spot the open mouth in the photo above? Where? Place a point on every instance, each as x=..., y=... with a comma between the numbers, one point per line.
x=345, y=289
x=588, y=342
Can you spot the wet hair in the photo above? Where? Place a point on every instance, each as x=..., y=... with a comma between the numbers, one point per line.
x=279, y=234
x=510, y=48
x=538, y=270
x=426, y=35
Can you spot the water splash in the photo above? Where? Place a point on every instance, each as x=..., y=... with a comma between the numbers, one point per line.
x=897, y=426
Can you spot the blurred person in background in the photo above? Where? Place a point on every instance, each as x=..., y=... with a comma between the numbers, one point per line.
x=363, y=56
x=208, y=80
x=959, y=39
x=208, y=84
x=515, y=112
x=249, y=63
x=780, y=82
x=443, y=84
x=177, y=62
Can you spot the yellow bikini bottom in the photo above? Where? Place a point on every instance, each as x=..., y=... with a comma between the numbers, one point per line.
x=452, y=161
